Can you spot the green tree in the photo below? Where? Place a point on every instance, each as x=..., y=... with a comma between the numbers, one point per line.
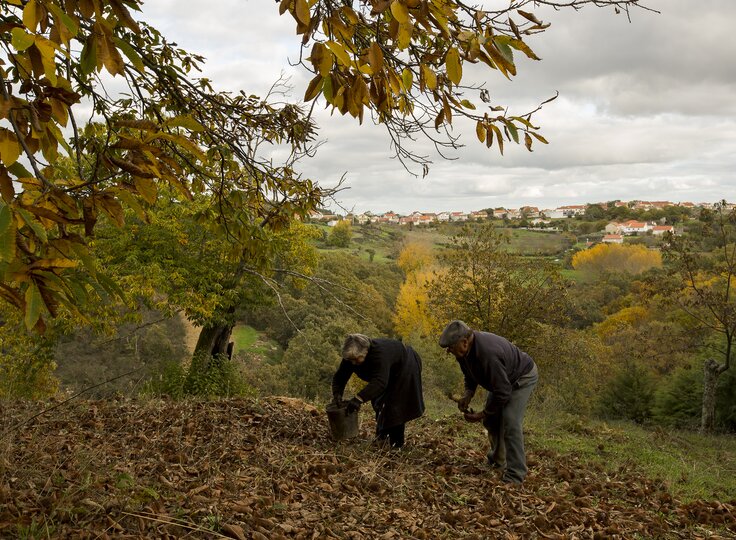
x=341, y=234
x=493, y=290
x=180, y=259
x=709, y=293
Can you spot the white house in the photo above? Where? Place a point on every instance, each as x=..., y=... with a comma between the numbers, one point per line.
x=659, y=230
x=613, y=239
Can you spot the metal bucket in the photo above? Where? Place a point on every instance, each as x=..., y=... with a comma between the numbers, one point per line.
x=342, y=424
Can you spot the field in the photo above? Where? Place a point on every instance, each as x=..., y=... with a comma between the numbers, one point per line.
x=385, y=240
x=267, y=469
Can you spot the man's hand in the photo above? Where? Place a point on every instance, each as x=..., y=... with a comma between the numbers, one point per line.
x=474, y=416
x=464, y=401
x=353, y=405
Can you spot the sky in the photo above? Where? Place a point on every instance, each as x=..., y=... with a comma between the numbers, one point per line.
x=646, y=108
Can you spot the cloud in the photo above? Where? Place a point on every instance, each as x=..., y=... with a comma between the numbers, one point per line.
x=646, y=108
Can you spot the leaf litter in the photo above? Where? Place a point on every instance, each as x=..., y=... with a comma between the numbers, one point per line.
x=267, y=469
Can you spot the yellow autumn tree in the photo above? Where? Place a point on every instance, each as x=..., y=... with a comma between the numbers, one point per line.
x=603, y=258
x=412, y=314
x=415, y=257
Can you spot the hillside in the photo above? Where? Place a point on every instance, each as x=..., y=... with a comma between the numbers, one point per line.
x=267, y=469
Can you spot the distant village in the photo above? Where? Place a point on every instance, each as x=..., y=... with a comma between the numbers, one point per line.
x=533, y=215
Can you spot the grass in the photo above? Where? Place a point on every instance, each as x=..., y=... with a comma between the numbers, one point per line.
x=247, y=338
x=244, y=337
x=692, y=465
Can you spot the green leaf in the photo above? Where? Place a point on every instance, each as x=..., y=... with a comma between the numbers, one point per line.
x=34, y=305
x=7, y=234
x=35, y=226
x=19, y=171
x=83, y=253
x=504, y=49
x=65, y=19
x=187, y=122
x=21, y=39
x=110, y=286
x=131, y=53
x=513, y=130
x=88, y=60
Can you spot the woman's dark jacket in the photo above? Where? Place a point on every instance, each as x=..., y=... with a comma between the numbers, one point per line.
x=394, y=376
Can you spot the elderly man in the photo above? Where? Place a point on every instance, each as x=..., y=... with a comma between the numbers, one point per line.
x=394, y=376
x=509, y=375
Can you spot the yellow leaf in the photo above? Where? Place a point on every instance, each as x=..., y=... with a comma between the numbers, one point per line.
x=6, y=185
x=114, y=209
x=400, y=11
x=407, y=77
x=301, y=10
x=480, y=131
x=340, y=52
x=375, y=57
x=31, y=15
x=404, y=36
x=315, y=85
x=429, y=76
x=107, y=54
x=453, y=65
x=321, y=59
x=48, y=53
x=147, y=189
x=59, y=111
x=9, y=147
x=53, y=263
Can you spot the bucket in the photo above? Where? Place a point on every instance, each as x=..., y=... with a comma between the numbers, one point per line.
x=342, y=424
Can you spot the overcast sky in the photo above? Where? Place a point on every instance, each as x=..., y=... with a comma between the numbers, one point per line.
x=647, y=108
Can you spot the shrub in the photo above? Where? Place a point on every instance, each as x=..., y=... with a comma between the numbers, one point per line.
x=203, y=377
x=679, y=399
x=26, y=361
x=629, y=395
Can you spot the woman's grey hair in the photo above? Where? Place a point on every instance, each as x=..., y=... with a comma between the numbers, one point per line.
x=454, y=332
x=355, y=345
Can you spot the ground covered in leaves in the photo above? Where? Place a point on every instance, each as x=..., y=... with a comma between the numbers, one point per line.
x=266, y=469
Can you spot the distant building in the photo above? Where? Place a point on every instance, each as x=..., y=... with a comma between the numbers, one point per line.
x=529, y=211
x=613, y=239
x=659, y=230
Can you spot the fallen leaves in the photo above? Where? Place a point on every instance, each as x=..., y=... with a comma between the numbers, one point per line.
x=254, y=469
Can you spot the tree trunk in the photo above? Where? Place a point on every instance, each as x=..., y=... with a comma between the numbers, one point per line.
x=214, y=340
x=711, y=371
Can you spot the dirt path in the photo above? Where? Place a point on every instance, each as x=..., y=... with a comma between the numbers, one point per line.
x=191, y=333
